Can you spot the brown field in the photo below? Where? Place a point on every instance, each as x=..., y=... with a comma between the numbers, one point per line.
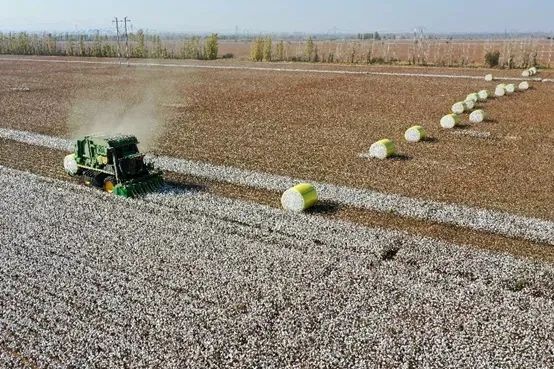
x=307, y=125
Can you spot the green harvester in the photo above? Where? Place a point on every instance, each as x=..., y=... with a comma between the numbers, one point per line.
x=114, y=164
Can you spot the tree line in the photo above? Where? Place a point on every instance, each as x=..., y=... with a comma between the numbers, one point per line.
x=141, y=45
x=370, y=48
x=263, y=49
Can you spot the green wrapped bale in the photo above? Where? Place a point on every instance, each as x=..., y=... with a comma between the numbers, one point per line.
x=382, y=149
x=299, y=198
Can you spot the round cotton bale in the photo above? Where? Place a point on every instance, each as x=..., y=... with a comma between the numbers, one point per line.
x=510, y=88
x=500, y=90
x=459, y=107
x=70, y=165
x=450, y=120
x=415, y=134
x=483, y=95
x=299, y=198
x=477, y=116
x=533, y=70
x=523, y=86
x=488, y=77
x=473, y=96
x=526, y=73
x=470, y=104
x=382, y=149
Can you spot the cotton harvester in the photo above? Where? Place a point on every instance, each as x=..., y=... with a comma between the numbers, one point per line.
x=113, y=163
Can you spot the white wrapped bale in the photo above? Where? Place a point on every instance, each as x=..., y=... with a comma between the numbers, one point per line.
x=533, y=70
x=450, y=120
x=488, y=77
x=477, y=116
x=523, y=86
x=526, y=73
x=483, y=95
x=459, y=107
x=510, y=88
x=415, y=134
x=470, y=104
x=382, y=149
x=500, y=90
x=70, y=165
x=473, y=96
x=299, y=198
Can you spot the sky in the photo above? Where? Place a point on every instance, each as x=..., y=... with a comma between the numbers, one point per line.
x=261, y=16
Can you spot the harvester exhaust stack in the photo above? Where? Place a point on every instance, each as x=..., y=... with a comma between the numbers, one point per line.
x=114, y=164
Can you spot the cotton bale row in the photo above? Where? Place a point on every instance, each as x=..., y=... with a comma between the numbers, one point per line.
x=508, y=89
x=385, y=148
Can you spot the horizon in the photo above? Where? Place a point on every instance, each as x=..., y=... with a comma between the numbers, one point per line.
x=284, y=34
x=289, y=17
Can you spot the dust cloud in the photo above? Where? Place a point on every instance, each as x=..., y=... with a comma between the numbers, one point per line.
x=132, y=110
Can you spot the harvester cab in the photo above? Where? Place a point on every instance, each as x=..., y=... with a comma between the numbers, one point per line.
x=113, y=163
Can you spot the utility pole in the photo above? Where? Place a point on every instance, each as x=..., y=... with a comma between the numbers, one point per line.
x=116, y=21
x=125, y=21
x=550, y=49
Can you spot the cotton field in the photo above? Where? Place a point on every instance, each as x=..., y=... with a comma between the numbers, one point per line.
x=314, y=216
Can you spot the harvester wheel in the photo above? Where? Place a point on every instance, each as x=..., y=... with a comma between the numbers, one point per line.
x=109, y=184
x=93, y=179
x=88, y=178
